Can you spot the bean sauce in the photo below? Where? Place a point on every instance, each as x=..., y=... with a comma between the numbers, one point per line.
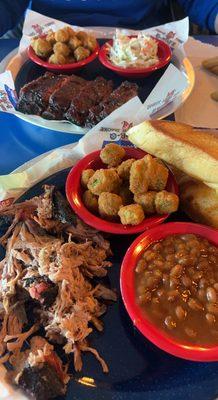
x=176, y=284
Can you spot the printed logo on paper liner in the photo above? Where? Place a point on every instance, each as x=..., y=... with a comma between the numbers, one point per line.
x=118, y=135
x=169, y=37
x=40, y=30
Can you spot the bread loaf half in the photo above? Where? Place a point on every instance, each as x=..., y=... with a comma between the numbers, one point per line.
x=191, y=151
x=199, y=202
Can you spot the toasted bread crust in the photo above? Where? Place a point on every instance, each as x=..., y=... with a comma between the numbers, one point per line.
x=208, y=142
x=193, y=152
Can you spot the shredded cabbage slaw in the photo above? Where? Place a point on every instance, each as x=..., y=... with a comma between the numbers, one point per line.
x=136, y=52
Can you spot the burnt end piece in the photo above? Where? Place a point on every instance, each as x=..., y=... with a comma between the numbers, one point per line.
x=61, y=209
x=91, y=95
x=117, y=98
x=61, y=98
x=41, y=383
x=34, y=96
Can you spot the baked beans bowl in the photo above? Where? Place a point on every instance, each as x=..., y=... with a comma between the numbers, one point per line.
x=74, y=193
x=168, y=282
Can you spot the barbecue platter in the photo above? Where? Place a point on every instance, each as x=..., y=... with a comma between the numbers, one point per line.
x=85, y=103
x=90, y=91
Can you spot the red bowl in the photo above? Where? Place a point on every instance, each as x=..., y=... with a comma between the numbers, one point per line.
x=65, y=67
x=74, y=193
x=150, y=331
x=164, y=54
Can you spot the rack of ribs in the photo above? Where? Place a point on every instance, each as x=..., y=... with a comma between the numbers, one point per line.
x=81, y=102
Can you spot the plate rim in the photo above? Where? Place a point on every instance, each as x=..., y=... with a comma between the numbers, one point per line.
x=17, y=61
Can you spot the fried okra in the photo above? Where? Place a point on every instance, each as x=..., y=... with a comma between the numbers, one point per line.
x=123, y=169
x=81, y=53
x=61, y=48
x=42, y=47
x=166, y=202
x=90, y=201
x=74, y=42
x=109, y=205
x=81, y=35
x=125, y=194
x=157, y=173
x=62, y=35
x=147, y=201
x=112, y=154
x=57, y=58
x=86, y=175
x=70, y=31
x=131, y=215
x=138, y=182
x=160, y=179
x=90, y=43
x=50, y=37
x=104, y=180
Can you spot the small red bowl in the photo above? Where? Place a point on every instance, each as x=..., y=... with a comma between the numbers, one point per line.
x=65, y=67
x=164, y=54
x=144, y=325
x=74, y=193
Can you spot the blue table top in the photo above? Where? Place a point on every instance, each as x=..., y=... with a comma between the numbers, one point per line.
x=21, y=141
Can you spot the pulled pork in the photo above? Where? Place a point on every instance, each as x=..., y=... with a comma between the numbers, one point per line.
x=50, y=261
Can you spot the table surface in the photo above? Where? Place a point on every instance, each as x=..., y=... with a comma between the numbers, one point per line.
x=21, y=141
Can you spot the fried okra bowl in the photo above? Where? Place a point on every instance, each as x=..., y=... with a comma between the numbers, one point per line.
x=111, y=190
x=65, y=50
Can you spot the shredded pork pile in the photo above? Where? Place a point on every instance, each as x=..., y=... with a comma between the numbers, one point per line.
x=47, y=280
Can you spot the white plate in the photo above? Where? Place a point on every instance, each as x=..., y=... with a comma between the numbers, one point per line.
x=17, y=61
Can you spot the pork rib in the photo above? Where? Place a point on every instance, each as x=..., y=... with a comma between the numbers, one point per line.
x=92, y=94
x=117, y=98
x=34, y=96
x=61, y=98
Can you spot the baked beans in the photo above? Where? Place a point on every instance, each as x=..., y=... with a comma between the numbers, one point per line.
x=176, y=283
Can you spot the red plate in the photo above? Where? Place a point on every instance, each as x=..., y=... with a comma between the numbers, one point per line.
x=74, y=193
x=164, y=55
x=65, y=67
x=150, y=331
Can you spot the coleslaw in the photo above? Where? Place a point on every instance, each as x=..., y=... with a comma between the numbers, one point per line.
x=135, y=52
